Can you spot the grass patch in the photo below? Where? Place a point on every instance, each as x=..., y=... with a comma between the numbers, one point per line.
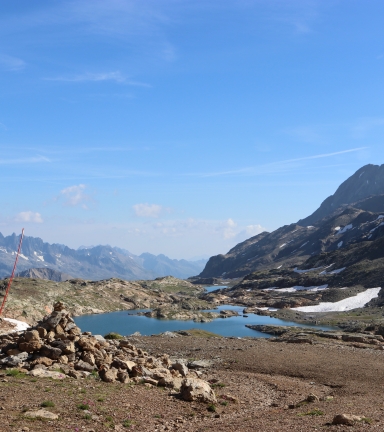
x=100, y=399
x=211, y=408
x=15, y=373
x=127, y=423
x=366, y=420
x=88, y=417
x=113, y=335
x=83, y=407
x=221, y=385
x=47, y=404
x=314, y=412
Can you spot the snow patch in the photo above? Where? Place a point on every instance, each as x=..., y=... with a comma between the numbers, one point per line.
x=345, y=229
x=20, y=325
x=361, y=174
x=357, y=301
x=296, y=270
x=340, y=244
x=24, y=257
x=378, y=226
x=298, y=288
x=303, y=244
x=284, y=244
x=310, y=227
x=337, y=271
x=39, y=257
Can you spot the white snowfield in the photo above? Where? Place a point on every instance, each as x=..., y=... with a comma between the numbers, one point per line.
x=20, y=325
x=347, y=304
x=298, y=288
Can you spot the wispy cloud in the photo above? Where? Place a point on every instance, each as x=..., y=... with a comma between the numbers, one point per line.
x=116, y=77
x=366, y=124
x=278, y=166
x=75, y=196
x=29, y=216
x=148, y=210
x=10, y=63
x=30, y=160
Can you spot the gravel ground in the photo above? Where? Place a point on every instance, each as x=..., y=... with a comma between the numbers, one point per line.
x=255, y=382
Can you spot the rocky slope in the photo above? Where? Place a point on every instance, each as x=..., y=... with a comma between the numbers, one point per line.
x=366, y=182
x=30, y=299
x=292, y=245
x=44, y=273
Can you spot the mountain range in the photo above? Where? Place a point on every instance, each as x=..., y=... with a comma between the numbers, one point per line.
x=92, y=263
x=347, y=227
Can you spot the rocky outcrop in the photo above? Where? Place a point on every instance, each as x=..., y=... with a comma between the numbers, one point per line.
x=57, y=343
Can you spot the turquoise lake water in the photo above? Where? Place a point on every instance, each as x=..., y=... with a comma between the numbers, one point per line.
x=125, y=323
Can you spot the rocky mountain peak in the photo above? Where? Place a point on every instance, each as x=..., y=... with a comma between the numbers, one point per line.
x=365, y=182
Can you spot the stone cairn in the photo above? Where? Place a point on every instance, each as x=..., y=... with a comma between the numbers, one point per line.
x=57, y=344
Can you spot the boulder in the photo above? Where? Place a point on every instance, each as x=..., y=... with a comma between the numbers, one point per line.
x=84, y=366
x=195, y=389
x=43, y=373
x=32, y=335
x=66, y=346
x=181, y=367
x=42, y=413
x=87, y=343
x=33, y=345
x=123, y=377
x=108, y=375
x=51, y=352
x=346, y=419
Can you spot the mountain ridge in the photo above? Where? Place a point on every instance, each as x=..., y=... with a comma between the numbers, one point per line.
x=91, y=263
x=355, y=203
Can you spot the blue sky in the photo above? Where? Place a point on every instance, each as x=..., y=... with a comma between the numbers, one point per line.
x=183, y=126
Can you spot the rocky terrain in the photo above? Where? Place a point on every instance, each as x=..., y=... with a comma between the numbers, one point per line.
x=231, y=384
x=30, y=299
x=352, y=216
x=94, y=263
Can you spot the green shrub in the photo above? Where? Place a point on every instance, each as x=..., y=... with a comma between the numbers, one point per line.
x=83, y=407
x=113, y=335
x=47, y=404
x=211, y=408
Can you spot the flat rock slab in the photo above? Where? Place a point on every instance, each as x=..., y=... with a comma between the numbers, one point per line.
x=41, y=414
x=42, y=373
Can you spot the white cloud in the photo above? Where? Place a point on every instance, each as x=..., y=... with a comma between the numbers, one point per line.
x=248, y=232
x=30, y=160
x=10, y=63
x=229, y=230
x=148, y=210
x=117, y=77
x=74, y=196
x=29, y=216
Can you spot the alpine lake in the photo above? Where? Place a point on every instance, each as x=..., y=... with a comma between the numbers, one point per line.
x=128, y=322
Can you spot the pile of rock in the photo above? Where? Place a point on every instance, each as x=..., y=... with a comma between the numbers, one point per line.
x=57, y=344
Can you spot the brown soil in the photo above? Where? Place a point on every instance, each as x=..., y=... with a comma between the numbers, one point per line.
x=255, y=381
